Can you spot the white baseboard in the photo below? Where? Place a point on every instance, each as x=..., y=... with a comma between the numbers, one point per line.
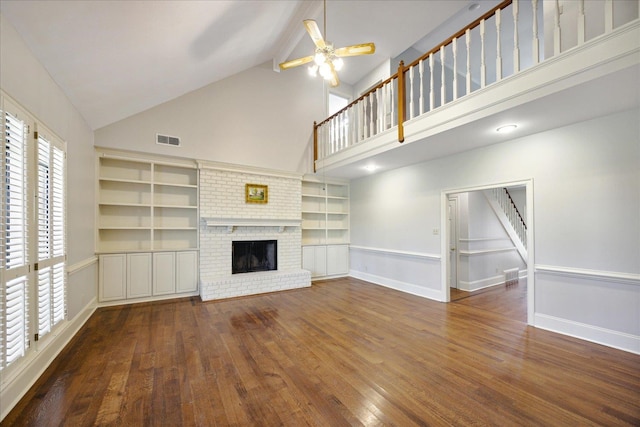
x=608, y=337
x=409, y=288
x=38, y=361
x=476, y=285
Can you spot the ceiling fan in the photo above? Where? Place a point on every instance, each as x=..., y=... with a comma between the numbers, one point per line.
x=327, y=60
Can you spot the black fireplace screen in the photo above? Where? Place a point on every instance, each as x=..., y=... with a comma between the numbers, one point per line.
x=254, y=255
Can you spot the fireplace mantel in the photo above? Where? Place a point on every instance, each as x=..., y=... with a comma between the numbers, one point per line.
x=231, y=223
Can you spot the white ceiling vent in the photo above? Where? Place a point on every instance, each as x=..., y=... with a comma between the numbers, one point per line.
x=167, y=140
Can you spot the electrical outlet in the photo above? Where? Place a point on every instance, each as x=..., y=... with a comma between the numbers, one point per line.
x=436, y=231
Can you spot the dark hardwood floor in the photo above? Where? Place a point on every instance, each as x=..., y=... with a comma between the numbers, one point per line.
x=343, y=352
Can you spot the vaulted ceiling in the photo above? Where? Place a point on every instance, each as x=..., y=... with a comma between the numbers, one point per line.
x=114, y=59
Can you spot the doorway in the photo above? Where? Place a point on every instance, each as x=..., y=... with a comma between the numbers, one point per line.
x=461, y=247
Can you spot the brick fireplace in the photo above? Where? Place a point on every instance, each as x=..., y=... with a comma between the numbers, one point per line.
x=225, y=218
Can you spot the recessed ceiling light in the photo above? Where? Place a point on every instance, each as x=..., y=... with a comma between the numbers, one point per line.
x=506, y=128
x=370, y=168
x=473, y=6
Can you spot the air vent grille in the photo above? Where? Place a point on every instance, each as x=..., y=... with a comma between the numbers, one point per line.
x=167, y=140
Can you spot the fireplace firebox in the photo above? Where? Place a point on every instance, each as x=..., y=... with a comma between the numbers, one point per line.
x=254, y=255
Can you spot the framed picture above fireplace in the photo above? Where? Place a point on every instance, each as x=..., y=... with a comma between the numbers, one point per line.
x=256, y=193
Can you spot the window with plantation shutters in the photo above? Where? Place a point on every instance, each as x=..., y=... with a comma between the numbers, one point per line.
x=14, y=303
x=50, y=224
x=32, y=233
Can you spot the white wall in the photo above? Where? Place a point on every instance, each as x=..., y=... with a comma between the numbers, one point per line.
x=255, y=118
x=24, y=79
x=586, y=210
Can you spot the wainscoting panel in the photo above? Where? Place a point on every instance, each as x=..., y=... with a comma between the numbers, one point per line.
x=412, y=272
x=598, y=306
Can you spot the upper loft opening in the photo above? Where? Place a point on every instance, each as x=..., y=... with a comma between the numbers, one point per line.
x=542, y=64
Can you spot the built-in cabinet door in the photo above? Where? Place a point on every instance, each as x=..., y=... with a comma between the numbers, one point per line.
x=314, y=259
x=337, y=260
x=186, y=271
x=164, y=273
x=113, y=277
x=138, y=275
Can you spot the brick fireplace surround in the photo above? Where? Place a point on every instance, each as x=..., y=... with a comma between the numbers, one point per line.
x=225, y=217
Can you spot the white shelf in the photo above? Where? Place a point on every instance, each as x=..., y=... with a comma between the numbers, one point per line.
x=325, y=212
x=145, y=205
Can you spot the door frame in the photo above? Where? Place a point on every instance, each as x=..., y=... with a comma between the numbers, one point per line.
x=445, y=237
x=455, y=200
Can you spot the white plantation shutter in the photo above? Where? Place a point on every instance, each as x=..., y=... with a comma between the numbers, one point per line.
x=51, y=244
x=14, y=308
x=32, y=233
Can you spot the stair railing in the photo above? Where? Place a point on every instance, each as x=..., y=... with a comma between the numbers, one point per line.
x=510, y=209
x=507, y=36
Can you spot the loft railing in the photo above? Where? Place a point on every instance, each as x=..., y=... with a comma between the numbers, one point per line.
x=504, y=41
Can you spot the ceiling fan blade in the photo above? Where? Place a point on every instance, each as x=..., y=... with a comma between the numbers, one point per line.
x=356, y=49
x=335, y=81
x=314, y=32
x=295, y=62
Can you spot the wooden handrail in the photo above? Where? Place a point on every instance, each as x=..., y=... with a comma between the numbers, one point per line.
x=516, y=208
x=402, y=69
x=363, y=96
x=471, y=26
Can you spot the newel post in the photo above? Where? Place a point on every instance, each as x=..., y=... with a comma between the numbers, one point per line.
x=401, y=101
x=315, y=145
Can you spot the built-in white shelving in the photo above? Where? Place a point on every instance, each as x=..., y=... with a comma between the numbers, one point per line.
x=325, y=227
x=147, y=207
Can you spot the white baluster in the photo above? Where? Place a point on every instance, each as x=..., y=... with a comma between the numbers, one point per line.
x=483, y=68
x=392, y=117
x=411, y=110
x=332, y=137
x=341, y=131
x=380, y=96
x=443, y=87
x=421, y=69
x=581, y=22
x=535, y=52
x=455, y=68
x=556, y=30
x=365, y=122
x=608, y=16
x=361, y=120
x=467, y=35
x=498, y=46
x=352, y=125
x=516, y=41
x=432, y=94
x=371, y=119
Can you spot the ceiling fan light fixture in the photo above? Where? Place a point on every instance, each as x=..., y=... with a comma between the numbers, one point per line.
x=338, y=63
x=325, y=70
x=319, y=58
x=313, y=70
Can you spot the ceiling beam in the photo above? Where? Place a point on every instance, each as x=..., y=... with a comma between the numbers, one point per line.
x=295, y=30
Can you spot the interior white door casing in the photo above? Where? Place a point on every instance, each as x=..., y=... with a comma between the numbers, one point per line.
x=453, y=242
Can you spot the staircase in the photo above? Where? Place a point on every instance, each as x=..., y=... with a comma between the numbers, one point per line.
x=505, y=209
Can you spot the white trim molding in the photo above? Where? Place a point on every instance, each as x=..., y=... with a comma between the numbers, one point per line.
x=251, y=170
x=583, y=273
x=81, y=265
x=608, y=337
x=421, y=255
x=486, y=251
x=409, y=288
